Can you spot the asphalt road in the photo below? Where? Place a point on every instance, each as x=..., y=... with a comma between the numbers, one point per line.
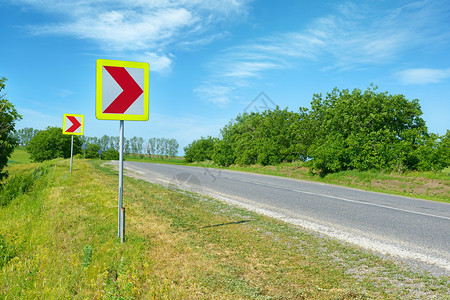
x=414, y=230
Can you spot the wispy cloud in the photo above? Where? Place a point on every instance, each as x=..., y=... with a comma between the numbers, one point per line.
x=354, y=37
x=215, y=93
x=122, y=27
x=423, y=75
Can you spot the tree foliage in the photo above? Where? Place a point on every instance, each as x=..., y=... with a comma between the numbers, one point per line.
x=199, y=150
x=365, y=130
x=344, y=130
x=161, y=147
x=25, y=135
x=8, y=118
x=110, y=154
x=265, y=138
x=92, y=151
x=52, y=143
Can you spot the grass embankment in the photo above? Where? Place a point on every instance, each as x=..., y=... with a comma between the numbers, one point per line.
x=20, y=156
x=58, y=240
x=145, y=158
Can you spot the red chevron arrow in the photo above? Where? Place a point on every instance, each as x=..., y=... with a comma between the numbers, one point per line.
x=75, y=124
x=131, y=90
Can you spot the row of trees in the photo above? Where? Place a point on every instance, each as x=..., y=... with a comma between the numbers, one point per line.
x=51, y=143
x=24, y=135
x=342, y=131
x=161, y=147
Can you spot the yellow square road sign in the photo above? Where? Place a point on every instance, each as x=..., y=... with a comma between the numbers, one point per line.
x=73, y=124
x=122, y=89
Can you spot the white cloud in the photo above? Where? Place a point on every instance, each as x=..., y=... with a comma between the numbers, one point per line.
x=423, y=75
x=127, y=28
x=158, y=63
x=356, y=36
x=215, y=93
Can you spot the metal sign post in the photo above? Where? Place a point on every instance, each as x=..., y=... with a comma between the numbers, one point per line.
x=120, y=218
x=84, y=150
x=71, y=155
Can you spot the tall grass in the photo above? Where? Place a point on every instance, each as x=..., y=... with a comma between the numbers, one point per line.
x=19, y=156
x=20, y=184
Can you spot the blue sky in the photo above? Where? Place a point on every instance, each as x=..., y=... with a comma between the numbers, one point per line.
x=210, y=59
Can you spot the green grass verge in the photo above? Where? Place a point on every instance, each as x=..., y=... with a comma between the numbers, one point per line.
x=172, y=161
x=60, y=241
x=19, y=156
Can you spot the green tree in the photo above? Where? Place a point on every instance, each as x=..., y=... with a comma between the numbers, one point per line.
x=104, y=142
x=364, y=130
x=151, y=146
x=223, y=153
x=173, y=147
x=434, y=152
x=52, y=143
x=8, y=118
x=25, y=135
x=92, y=151
x=110, y=154
x=265, y=138
x=199, y=150
x=134, y=145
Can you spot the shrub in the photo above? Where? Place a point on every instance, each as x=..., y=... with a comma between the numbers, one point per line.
x=110, y=154
x=7, y=252
x=19, y=185
x=199, y=150
x=92, y=151
x=52, y=143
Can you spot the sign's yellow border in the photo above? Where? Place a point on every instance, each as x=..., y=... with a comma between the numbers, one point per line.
x=98, y=102
x=64, y=124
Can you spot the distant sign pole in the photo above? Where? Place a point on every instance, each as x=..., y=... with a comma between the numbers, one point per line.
x=73, y=125
x=84, y=150
x=122, y=89
x=71, y=155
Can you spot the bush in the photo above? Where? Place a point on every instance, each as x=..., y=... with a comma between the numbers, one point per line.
x=266, y=138
x=92, y=151
x=19, y=185
x=110, y=154
x=223, y=154
x=365, y=130
x=52, y=143
x=199, y=150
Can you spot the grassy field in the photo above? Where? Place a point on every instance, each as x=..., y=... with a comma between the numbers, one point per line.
x=19, y=156
x=58, y=240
